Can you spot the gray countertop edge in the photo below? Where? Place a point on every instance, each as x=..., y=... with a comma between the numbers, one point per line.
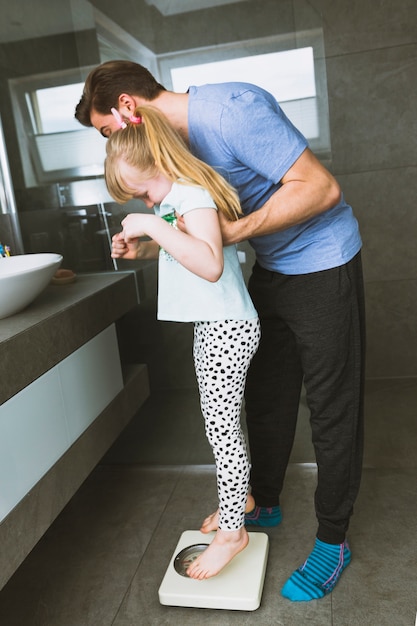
x=58, y=322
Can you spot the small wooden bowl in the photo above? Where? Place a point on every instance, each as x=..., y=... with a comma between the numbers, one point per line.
x=63, y=277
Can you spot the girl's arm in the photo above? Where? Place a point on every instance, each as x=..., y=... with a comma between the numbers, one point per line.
x=200, y=249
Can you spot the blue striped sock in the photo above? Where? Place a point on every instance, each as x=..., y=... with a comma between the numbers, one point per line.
x=264, y=516
x=319, y=574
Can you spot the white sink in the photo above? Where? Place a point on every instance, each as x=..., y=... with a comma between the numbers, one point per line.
x=23, y=277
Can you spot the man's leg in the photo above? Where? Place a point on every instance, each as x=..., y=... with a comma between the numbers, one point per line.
x=332, y=339
x=272, y=394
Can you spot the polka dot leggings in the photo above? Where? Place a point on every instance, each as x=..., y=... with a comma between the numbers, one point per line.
x=222, y=354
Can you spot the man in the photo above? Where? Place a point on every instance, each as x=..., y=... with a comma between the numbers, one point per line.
x=306, y=285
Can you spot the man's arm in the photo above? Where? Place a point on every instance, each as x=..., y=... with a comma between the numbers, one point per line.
x=307, y=190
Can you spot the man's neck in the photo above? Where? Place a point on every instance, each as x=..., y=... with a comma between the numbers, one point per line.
x=175, y=108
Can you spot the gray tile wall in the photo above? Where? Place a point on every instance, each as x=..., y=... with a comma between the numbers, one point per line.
x=371, y=59
x=371, y=64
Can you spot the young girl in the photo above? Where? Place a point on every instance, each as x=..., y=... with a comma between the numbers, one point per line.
x=198, y=281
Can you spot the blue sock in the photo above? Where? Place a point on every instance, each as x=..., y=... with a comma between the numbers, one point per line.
x=319, y=574
x=264, y=516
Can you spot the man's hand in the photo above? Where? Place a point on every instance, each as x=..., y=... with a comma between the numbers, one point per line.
x=227, y=228
x=181, y=222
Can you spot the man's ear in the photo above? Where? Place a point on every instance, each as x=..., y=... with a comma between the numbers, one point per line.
x=126, y=103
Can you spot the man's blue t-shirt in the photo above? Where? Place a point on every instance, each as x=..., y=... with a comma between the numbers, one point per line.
x=241, y=131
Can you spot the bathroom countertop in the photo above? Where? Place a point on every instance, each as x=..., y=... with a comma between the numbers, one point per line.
x=60, y=320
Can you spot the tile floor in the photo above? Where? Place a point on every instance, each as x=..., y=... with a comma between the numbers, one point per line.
x=102, y=561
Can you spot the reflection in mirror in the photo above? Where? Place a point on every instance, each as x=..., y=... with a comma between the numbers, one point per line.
x=53, y=146
x=48, y=54
x=54, y=109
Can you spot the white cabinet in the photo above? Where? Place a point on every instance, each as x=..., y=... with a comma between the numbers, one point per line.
x=90, y=378
x=42, y=421
x=33, y=435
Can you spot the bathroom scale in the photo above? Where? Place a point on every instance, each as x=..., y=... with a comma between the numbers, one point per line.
x=237, y=587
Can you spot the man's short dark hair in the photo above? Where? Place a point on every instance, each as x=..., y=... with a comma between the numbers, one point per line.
x=106, y=82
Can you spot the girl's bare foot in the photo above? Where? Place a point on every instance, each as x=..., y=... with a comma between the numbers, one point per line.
x=212, y=521
x=225, y=545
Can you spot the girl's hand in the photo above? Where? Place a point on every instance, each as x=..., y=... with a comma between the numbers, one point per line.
x=122, y=250
x=135, y=225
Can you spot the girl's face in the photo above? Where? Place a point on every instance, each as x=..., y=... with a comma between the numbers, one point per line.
x=150, y=190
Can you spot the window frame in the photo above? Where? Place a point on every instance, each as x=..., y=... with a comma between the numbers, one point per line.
x=313, y=38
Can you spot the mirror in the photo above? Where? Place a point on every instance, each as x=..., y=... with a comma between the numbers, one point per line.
x=49, y=52
x=53, y=147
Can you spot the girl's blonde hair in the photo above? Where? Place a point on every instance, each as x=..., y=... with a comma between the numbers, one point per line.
x=153, y=146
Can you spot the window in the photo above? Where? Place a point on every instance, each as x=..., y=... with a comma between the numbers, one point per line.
x=53, y=145
x=294, y=75
x=54, y=108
